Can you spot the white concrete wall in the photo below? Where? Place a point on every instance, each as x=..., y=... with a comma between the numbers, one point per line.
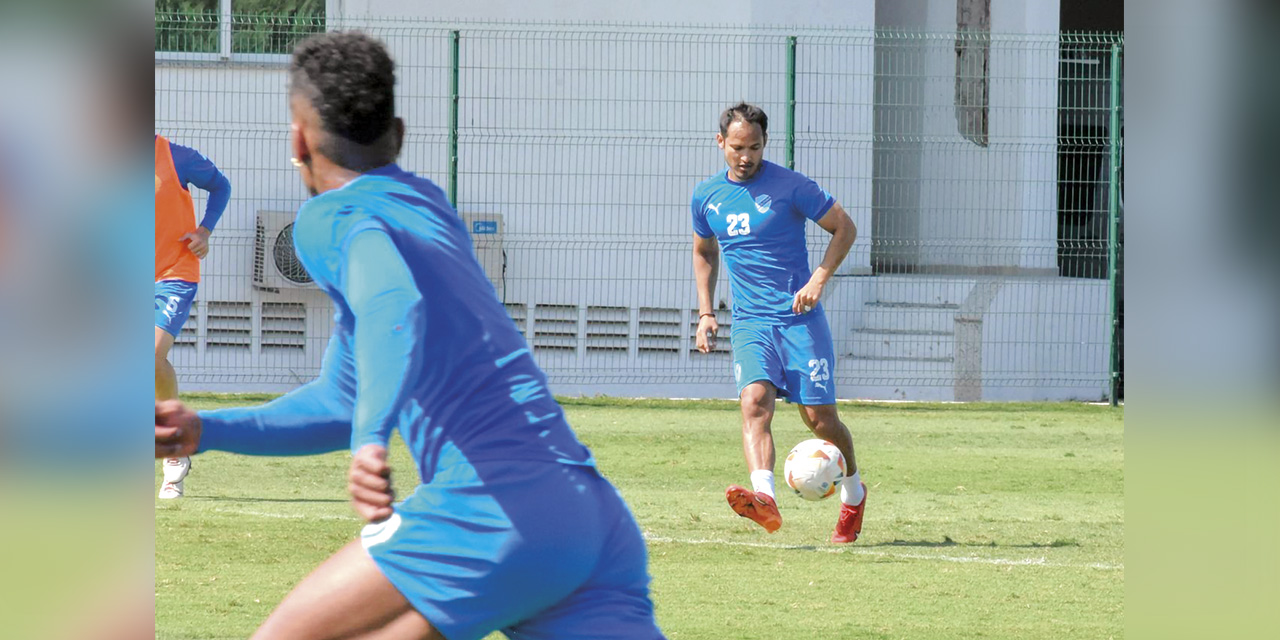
x=834, y=122
x=1047, y=339
x=1036, y=339
x=906, y=338
x=971, y=207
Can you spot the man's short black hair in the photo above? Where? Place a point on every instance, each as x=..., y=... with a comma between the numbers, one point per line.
x=747, y=113
x=350, y=80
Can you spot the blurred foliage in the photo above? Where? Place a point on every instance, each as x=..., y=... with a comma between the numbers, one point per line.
x=273, y=26
x=257, y=26
x=189, y=26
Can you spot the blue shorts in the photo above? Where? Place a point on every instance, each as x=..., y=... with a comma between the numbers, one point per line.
x=539, y=551
x=173, y=304
x=799, y=359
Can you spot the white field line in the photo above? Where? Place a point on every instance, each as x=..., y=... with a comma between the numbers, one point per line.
x=1032, y=562
x=287, y=516
x=861, y=401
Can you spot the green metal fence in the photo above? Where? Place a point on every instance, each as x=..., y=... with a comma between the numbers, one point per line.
x=983, y=172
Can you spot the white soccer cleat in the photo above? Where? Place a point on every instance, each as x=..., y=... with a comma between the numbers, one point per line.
x=175, y=470
x=171, y=490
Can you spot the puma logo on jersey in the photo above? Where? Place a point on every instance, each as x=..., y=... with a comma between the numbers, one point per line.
x=715, y=207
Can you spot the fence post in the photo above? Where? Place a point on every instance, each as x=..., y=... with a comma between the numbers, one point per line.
x=225, y=18
x=453, y=120
x=791, y=102
x=1113, y=215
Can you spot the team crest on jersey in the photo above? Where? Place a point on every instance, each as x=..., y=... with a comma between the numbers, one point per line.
x=763, y=201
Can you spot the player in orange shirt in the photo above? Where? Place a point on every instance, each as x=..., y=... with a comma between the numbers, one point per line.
x=180, y=245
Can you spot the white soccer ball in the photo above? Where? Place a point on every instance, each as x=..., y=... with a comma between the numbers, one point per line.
x=814, y=469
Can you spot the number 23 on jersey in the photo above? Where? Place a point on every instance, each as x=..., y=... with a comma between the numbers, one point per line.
x=739, y=224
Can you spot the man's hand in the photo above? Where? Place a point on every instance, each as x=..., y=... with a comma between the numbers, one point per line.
x=198, y=241
x=707, y=328
x=178, y=429
x=369, y=483
x=806, y=298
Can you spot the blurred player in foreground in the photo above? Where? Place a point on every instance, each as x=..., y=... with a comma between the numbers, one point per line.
x=512, y=527
x=782, y=345
x=180, y=246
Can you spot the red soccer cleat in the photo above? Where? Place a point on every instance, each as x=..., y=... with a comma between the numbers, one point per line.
x=757, y=506
x=850, y=523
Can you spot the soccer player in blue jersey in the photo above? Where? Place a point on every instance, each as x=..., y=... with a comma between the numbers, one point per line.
x=510, y=526
x=757, y=211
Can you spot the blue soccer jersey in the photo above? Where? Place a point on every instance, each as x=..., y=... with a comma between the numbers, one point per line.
x=760, y=226
x=420, y=342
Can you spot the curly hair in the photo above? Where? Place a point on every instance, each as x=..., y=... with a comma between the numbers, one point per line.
x=748, y=113
x=350, y=80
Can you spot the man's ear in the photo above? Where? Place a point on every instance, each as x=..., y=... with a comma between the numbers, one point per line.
x=720, y=140
x=301, y=146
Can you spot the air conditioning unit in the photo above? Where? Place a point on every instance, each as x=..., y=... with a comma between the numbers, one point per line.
x=487, y=236
x=275, y=264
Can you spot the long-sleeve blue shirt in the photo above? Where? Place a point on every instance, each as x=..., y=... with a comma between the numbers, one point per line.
x=195, y=169
x=421, y=342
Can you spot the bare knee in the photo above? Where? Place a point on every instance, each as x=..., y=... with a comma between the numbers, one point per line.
x=756, y=401
x=166, y=380
x=821, y=418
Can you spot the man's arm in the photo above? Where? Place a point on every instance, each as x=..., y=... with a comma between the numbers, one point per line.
x=843, y=232
x=194, y=168
x=314, y=418
x=390, y=325
x=706, y=268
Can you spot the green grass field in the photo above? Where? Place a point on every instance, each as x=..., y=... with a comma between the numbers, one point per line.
x=983, y=521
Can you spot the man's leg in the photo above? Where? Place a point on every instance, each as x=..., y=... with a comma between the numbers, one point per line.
x=175, y=469
x=166, y=377
x=758, y=400
x=346, y=598
x=173, y=307
x=824, y=422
